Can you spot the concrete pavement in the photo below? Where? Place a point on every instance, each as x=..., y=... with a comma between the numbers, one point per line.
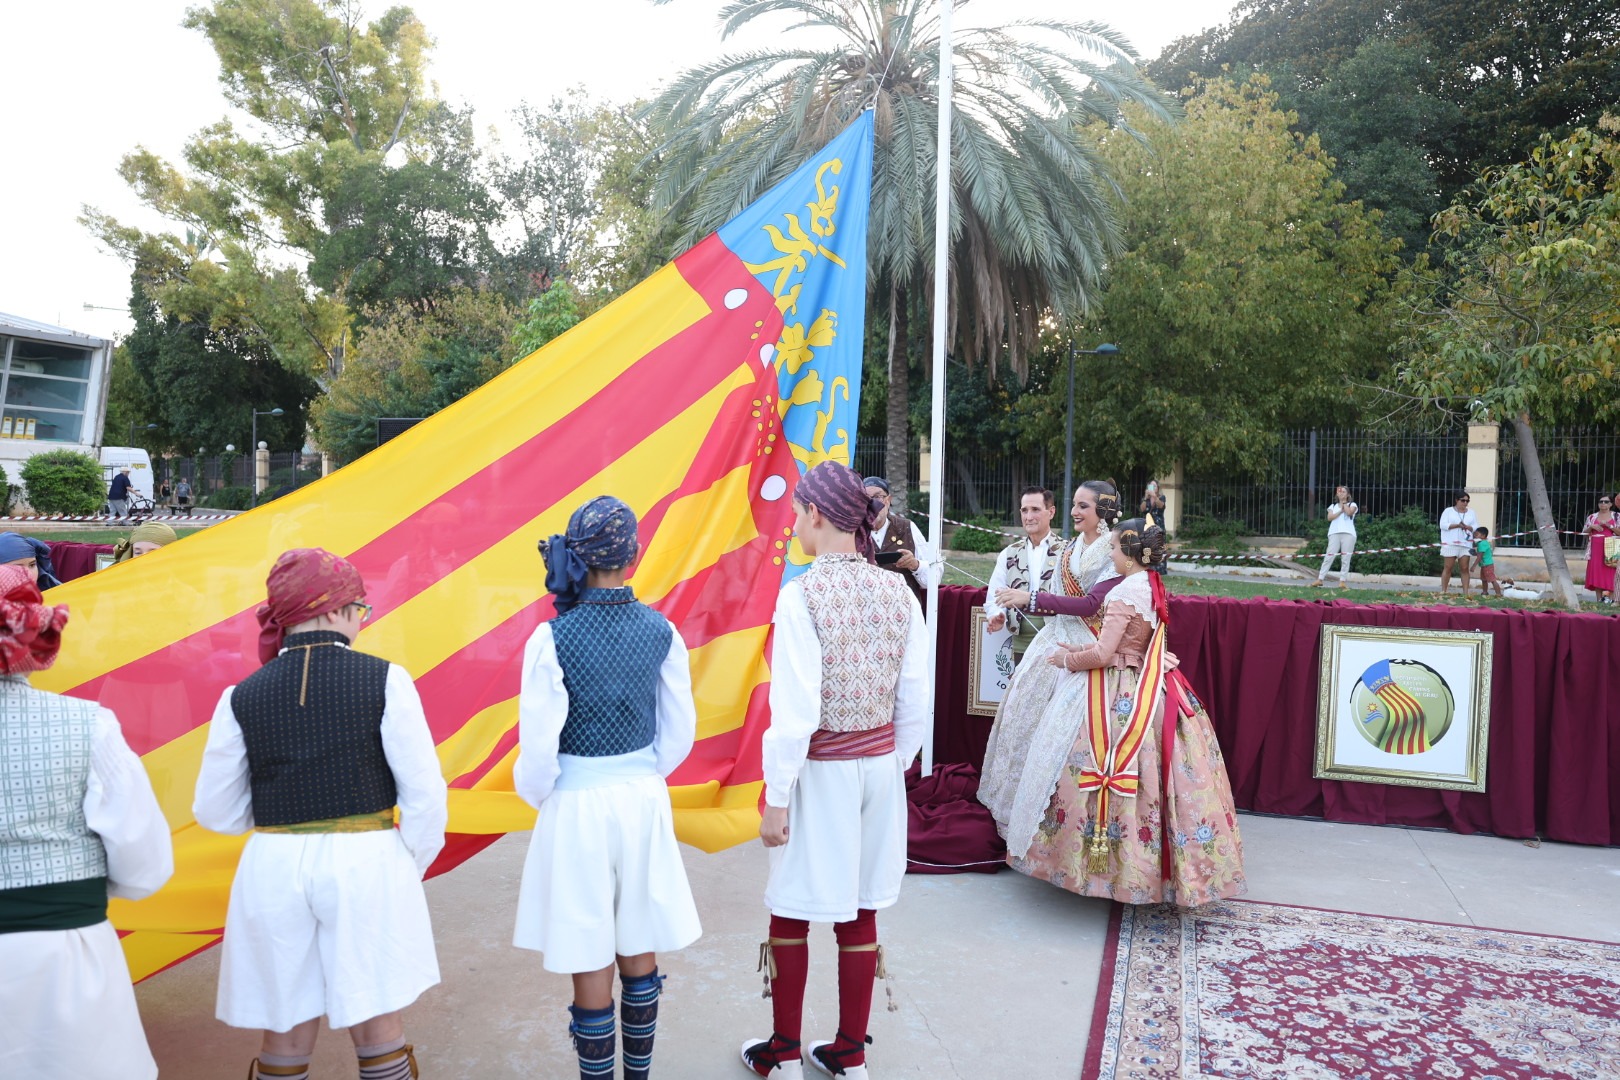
x=972, y=956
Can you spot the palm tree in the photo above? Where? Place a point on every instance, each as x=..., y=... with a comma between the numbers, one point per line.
x=1033, y=222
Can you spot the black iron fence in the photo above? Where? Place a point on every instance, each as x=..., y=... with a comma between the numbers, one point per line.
x=226, y=480
x=1385, y=473
x=1579, y=463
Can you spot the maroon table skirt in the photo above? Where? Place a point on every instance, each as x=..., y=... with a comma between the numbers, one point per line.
x=73, y=559
x=1554, y=755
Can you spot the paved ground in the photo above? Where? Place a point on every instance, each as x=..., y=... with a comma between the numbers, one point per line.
x=973, y=956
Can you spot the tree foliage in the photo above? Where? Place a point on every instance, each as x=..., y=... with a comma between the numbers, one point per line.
x=1513, y=68
x=1518, y=321
x=412, y=364
x=347, y=163
x=200, y=382
x=1247, y=294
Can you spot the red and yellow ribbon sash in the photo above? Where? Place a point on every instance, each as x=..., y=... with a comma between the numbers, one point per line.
x=1114, y=754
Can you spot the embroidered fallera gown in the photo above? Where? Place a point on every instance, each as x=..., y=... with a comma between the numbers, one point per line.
x=1030, y=740
x=1175, y=839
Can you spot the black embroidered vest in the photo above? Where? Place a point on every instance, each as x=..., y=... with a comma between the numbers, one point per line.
x=323, y=759
x=610, y=647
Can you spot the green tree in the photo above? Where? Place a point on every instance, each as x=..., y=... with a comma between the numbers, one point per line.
x=1518, y=321
x=1247, y=293
x=347, y=161
x=1376, y=113
x=407, y=363
x=1512, y=68
x=1034, y=223
x=200, y=381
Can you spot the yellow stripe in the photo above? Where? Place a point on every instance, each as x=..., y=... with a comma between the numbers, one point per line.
x=219, y=572
x=150, y=951
x=725, y=672
x=696, y=532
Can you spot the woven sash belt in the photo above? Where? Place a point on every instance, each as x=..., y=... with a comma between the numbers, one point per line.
x=374, y=822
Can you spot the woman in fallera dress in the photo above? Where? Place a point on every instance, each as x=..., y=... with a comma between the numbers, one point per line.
x=1033, y=733
x=1142, y=812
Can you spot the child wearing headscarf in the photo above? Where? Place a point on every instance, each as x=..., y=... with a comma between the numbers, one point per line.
x=145, y=537
x=849, y=699
x=34, y=556
x=313, y=753
x=78, y=823
x=605, y=713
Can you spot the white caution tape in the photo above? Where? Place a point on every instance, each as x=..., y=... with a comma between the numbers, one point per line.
x=108, y=519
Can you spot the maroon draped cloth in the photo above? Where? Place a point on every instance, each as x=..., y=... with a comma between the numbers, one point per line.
x=948, y=831
x=1553, y=761
x=73, y=559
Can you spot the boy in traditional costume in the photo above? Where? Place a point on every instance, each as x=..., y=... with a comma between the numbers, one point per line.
x=605, y=713
x=78, y=823
x=313, y=752
x=849, y=696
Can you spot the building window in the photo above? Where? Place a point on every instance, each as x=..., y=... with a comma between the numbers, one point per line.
x=47, y=390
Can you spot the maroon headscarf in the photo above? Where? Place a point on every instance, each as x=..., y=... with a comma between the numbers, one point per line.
x=304, y=583
x=840, y=494
x=30, y=630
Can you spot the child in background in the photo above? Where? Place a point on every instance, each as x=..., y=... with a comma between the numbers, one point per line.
x=1486, y=553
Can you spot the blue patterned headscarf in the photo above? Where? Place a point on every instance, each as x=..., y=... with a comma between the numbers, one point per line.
x=601, y=536
x=14, y=546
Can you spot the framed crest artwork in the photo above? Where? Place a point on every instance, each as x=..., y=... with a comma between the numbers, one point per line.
x=990, y=664
x=1405, y=707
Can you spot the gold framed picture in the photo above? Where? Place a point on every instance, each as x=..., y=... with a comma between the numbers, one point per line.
x=1403, y=706
x=104, y=559
x=990, y=664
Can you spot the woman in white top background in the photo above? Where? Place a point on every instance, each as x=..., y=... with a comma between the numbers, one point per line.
x=1457, y=525
x=1341, y=536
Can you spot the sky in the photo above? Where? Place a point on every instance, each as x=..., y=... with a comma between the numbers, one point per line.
x=82, y=83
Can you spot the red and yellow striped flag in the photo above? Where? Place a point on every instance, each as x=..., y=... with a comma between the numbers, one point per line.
x=697, y=398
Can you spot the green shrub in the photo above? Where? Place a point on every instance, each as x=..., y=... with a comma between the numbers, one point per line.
x=1413, y=525
x=6, y=492
x=977, y=540
x=64, y=482
x=229, y=498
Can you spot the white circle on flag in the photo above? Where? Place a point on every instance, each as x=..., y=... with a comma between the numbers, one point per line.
x=736, y=298
x=773, y=488
x=766, y=354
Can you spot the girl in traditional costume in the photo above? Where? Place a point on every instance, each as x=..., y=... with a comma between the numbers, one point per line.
x=1142, y=812
x=1033, y=731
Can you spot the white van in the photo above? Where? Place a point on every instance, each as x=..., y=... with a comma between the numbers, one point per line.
x=133, y=458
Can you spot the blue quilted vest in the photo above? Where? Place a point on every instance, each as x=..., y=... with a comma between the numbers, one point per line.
x=610, y=647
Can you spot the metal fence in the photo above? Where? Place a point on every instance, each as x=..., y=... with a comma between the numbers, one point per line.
x=210, y=477
x=1385, y=472
x=1579, y=464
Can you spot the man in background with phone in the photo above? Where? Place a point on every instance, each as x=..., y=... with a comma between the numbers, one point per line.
x=901, y=544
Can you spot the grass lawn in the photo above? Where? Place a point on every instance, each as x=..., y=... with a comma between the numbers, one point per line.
x=963, y=569
x=95, y=536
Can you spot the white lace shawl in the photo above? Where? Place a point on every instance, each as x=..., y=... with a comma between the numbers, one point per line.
x=1136, y=592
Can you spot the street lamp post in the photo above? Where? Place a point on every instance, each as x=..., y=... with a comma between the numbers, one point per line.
x=149, y=427
x=1068, y=428
x=257, y=490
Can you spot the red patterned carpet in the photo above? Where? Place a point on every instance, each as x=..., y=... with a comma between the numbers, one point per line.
x=1267, y=991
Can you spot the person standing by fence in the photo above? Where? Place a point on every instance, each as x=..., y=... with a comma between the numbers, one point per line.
x=1341, y=536
x=1600, y=526
x=1457, y=525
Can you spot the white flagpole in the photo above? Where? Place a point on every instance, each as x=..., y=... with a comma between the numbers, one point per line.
x=936, y=438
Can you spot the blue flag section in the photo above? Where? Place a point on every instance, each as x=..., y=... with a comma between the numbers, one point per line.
x=805, y=241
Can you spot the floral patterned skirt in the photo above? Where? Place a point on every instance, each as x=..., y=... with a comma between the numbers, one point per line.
x=1194, y=807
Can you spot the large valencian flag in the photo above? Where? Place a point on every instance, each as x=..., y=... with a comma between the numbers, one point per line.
x=698, y=398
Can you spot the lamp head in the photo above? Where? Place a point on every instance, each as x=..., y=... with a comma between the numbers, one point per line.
x=277, y=412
